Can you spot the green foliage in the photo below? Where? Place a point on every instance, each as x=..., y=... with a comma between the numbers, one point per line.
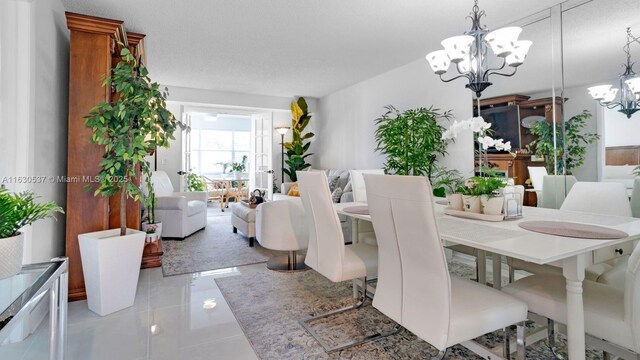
x=21, y=209
x=238, y=166
x=298, y=146
x=573, y=141
x=129, y=127
x=477, y=186
x=194, y=182
x=447, y=182
x=411, y=140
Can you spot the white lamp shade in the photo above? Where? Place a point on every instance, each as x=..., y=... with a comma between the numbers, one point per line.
x=609, y=96
x=599, y=92
x=634, y=85
x=502, y=41
x=282, y=130
x=439, y=61
x=458, y=47
x=519, y=53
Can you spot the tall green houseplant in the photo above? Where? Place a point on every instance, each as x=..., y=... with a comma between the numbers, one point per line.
x=298, y=147
x=411, y=140
x=129, y=127
x=574, y=141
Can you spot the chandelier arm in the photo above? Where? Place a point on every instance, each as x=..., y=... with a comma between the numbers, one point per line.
x=491, y=71
x=503, y=74
x=611, y=105
x=454, y=78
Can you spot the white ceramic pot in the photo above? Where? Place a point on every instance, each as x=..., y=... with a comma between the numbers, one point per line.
x=472, y=203
x=153, y=236
x=492, y=205
x=111, y=265
x=11, y=249
x=455, y=202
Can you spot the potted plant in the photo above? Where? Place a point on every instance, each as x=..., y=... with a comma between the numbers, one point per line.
x=194, y=182
x=451, y=184
x=482, y=194
x=17, y=211
x=135, y=121
x=151, y=227
x=411, y=140
x=297, y=148
x=238, y=168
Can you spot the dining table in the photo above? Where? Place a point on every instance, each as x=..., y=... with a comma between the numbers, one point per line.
x=507, y=238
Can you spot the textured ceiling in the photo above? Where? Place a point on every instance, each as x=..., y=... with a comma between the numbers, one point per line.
x=291, y=47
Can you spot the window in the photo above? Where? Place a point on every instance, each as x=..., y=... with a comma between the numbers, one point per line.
x=212, y=149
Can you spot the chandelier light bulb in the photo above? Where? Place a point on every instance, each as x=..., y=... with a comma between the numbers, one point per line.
x=439, y=61
x=519, y=53
x=503, y=41
x=634, y=85
x=458, y=47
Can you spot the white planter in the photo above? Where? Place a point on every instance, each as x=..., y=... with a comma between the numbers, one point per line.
x=11, y=255
x=155, y=236
x=472, y=203
x=492, y=205
x=455, y=202
x=111, y=265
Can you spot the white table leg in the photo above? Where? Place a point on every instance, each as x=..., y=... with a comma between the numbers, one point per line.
x=481, y=266
x=355, y=232
x=573, y=271
x=497, y=270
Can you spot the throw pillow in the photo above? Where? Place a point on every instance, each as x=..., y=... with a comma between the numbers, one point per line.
x=293, y=190
x=336, y=194
x=333, y=182
x=347, y=188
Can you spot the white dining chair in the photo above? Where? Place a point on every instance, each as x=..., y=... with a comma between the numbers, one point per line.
x=611, y=315
x=414, y=286
x=556, y=187
x=364, y=228
x=635, y=198
x=537, y=174
x=328, y=255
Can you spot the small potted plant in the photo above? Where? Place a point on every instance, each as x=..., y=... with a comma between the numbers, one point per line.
x=482, y=195
x=18, y=210
x=194, y=182
x=452, y=183
x=151, y=226
x=237, y=168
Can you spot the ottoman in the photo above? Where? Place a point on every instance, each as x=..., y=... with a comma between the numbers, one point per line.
x=243, y=218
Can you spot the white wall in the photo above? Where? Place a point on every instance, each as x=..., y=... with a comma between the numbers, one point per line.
x=35, y=136
x=346, y=127
x=620, y=131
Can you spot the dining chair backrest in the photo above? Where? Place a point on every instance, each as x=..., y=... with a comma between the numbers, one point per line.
x=358, y=185
x=325, y=253
x=632, y=296
x=414, y=287
x=537, y=174
x=635, y=198
x=607, y=198
x=555, y=189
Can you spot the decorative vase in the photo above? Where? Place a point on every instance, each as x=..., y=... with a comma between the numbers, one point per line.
x=455, y=202
x=11, y=249
x=111, y=265
x=157, y=231
x=492, y=205
x=472, y=203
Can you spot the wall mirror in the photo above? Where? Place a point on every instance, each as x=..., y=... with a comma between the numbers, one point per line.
x=602, y=144
x=515, y=105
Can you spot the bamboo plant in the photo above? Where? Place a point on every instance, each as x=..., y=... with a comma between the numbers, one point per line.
x=129, y=127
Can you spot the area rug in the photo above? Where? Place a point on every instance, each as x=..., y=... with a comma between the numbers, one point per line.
x=269, y=314
x=215, y=247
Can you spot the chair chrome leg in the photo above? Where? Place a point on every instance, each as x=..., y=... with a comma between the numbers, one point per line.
x=327, y=347
x=520, y=341
x=551, y=339
x=512, y=274
x=440, y=355
x=288, y=263
x=506, y=348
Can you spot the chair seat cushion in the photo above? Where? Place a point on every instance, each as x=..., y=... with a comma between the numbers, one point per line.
x=603, y=305
x=616, y=275
x=477, y=310
x=360, y=260
x=196, y=207
x=245, y=213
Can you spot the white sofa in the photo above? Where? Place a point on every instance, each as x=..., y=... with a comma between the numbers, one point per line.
x=619, y=173
x=181, y=213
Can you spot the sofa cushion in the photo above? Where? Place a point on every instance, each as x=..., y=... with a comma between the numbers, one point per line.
x=333, y=182
x=195, y=207
x=336, y=194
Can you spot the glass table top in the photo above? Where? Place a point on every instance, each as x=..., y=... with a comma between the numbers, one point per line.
x=17, y=291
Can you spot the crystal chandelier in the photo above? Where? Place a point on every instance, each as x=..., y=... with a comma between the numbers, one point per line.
x=629, y=87
x=469, y=53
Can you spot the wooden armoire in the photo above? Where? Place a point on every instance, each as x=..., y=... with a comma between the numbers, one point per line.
x=95, y=45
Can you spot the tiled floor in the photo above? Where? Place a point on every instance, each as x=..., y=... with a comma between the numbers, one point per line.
x=167, y=321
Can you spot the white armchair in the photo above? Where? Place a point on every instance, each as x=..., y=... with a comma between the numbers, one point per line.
x=181, y=213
